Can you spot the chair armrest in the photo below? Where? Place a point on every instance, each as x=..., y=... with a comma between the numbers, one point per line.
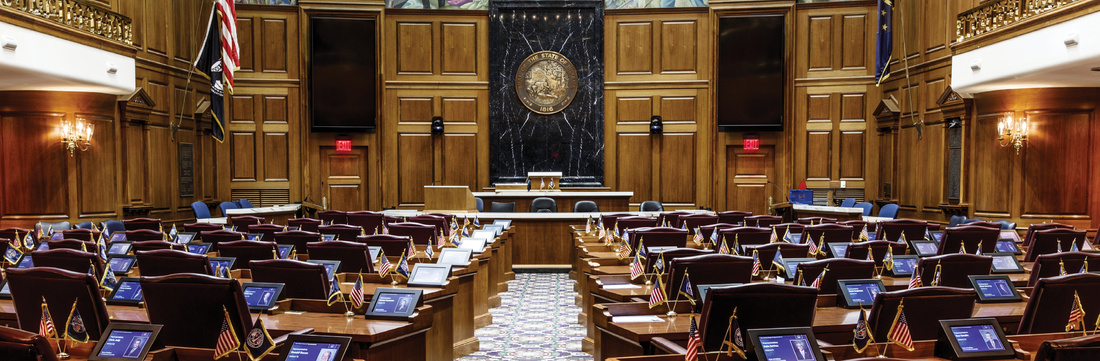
x=281, y=339
x=668, y=346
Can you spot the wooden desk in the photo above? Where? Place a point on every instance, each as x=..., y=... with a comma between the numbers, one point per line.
x=277, y=214
x=792, y=212
x=565, y=199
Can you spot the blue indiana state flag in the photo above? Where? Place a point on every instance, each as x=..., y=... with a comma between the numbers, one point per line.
x=885, y=40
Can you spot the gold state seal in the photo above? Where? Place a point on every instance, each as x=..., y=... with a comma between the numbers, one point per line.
x=546, y=82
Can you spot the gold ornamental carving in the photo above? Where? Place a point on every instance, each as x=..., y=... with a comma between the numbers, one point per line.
x=993, y=15
x=78, y=15
x=546, y=82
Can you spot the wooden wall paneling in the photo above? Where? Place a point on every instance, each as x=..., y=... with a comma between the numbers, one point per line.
x=246, y=28
x=133, y=135
x=162, y=169
x=818, y=155
x=244, y=155
x=39, y=160
x=634, y=166
x=459, y=46
x=634, y=48
x=747, y=174
x=995, y=170
x=675, y=171
x=414, y=167
x=275, y=54
x=1056, y=165
x=820, y=43
x=96, y=171
x=851, y=154
x=835, y=41
x=460, y=160
x=156, y=31
x=345, y=176
x=679, y=48
x=671, y=44
x=434, y=48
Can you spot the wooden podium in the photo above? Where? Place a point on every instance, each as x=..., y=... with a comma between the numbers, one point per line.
x=449, y=199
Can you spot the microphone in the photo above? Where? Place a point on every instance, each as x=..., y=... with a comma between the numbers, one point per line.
x=780, y=191
x=314, y=191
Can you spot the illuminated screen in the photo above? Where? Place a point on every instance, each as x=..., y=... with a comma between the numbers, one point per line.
x=787, y=348
x=124, y=344
x=977, y=338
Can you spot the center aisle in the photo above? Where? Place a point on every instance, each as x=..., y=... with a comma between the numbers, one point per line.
x=537, y=320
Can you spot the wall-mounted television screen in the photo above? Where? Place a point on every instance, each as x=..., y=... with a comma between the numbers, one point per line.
x=751, y=73
x=343, y=74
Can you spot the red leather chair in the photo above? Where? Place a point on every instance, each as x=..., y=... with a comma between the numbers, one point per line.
x=72, y=244
x=343, y=232
x=268, y=230
x=201, y=227
x=696, y=220
x=877, y=248
x=68, y=259
x=705, y=270
x=671, y=219
x=392, y=245
x=333, y=217
x=246, y=251
x=733, y=217
x=163, y=262
x=954, y=238
x=81, y=234
x=353, y=256
x=745, y=235
x=370, y=221
x=60, y=288
x=154, y=245
x=1039, y=227
x=392, y=219
x=986, y=224
x=135, y=224
x=449, y=218
x=10, y=233
x=1047, y=241
x=298, y=238
x=767, y=252
x=204, y=298
x=892, y=230
x=420, y=233
x=302, y=279
x=954, y=268
x=625, y=223
x=243, y=222
x=438, y=222
x=759, y=305
x=839, y=269
x=1076, y=348
x=669, y=255
x=1050, y=265
x=304, y=224
x=610, y=220
x=144, y=235
x=19, y=345
x=815, y=220
x=221, y=236
x=781, y=229
x=833, y=233
x=762, y=221
x=658, y=237
x=858, y=225
x=1051, y=299
x=924, y=308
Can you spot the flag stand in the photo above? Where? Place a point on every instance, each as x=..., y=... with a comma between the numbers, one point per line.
x=672, y=313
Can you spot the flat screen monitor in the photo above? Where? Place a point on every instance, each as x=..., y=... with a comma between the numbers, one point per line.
x=793, y=344
x=255, y=236
x=454, y=256
x=343, y=74
x=5, y=292
x=994, y=288
x=1006, y=263
x=838, y=249
x=186, y=237
x=393, y=303
x=374, y=251
x=703, y=288
x=118, y=237
x=198, y=248
x=751, y=84
x=792, y=266
x=26, y=262
x=658, y=250
x=935, y=235
x=429, y=275
x=42, y=247
x=121, y=263
x=475, y=245
x=973, y=339
x=119, y=248
x=285, y=250
x=926, y=248
x=904, y=265
x=481, y=233
x=125, y=341
x=1010, y=235
x=126, y=292
x=261, y=296
x=859, y=292
x=1008, y=246
x=507, y=223
x=57, y=236
x=330, y=266
x=496, y=228
x=223, y=262
x=314, y=348
x=328, y=237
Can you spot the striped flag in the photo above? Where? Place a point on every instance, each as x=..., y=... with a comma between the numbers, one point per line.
x=694, y=341
x=1059, y=246
x=227, y=339
x=723, y=249
x=1076, y=314
x=357, y=292
x=624, y=251
x=899, y=331
x=588, y=226
x=820, y=276
x=636, y=268
x=813, y=248
x=698, y=238
x=412, y=248
x=45, y=324
x=755, y=262
x=218, y=58
x=863, y=235
x=774, y=237
x=915, y=281
x=384, y=267
x=657, y=297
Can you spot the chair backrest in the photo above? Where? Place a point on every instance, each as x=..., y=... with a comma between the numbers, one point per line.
x=956, y=220
x=625, y=223
x=502, y=207
x=1039, y=227
x=342, y=231
x=370, y=221
x=696, y=220
x=480, y=204
x=745, y=235
x=781, y=229
x=81, y=234
x=670, y=255
x=420, y=233
x=1051, y=299
x=1050, y=265
x=392, y=245
x=1076, y=348
x=953, y=239
x=1006, y=225
x=924, y=307
x=888, y=211
x=954, y=268
x=658, y=237
x=302, y=279
x=76, y=244
x=60, y=288
x=217, y=237
x=144, y=235
x=1050, y=240
x=243, y=222
x=11, y=233
x=19, y=345
x=353, y=256
x=246, y=251
x=867, y=207
x=439, y=223
x=244, y=203
x=671, y=219
x=333, y=217
x=113, y=226
x=200, y=209
x=267, y=230
x=585, y=207
x=857, y=226
x=304, y=224
x=204, y=297
x=707, y=270
x=201, y=227
x=651, y=206
x=162, y=262
x=833, y=233
x=152, y=224
x=544, y=205
x=762, y=220
x=987, y=224
x=767, y=252
x=154, y=245
x=610, y=220
x=878, y=250
x=759, y=305
x=298, y=238
x=733, y=217
x=224, y=206
x=815, y=220
x=892, y=230
x=68, y=259
x=848, y=202
x=839, y=269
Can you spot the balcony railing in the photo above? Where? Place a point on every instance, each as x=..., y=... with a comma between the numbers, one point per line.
x=1002, y=13
x=77, y=15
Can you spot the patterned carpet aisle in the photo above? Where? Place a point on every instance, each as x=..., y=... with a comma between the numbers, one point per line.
x=536, y=321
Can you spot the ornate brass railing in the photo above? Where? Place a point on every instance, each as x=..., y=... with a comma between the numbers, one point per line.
x=78, y=15
x=998, y=14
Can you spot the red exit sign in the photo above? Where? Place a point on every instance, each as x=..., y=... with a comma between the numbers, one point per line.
x=343, y=146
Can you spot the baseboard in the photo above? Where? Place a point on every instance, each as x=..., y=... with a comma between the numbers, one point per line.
x=483, y=320
x=466, y=347
x=542, y=268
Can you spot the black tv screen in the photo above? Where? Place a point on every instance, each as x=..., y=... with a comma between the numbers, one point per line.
x=343, y=74
x=751, y=73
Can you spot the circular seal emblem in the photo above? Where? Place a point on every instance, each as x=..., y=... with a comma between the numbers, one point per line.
x=546, y=82
x=78, y=324
x=255, y=338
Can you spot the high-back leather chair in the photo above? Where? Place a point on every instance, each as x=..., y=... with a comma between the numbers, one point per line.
x=1050, y=265
x=986, y=224
x=204, y=297
x=696, y=220
x=298, y=238
x=169, y=261
x=144, y=235
x=762, y=220
x=767, y=252
x=448, y=219
x=370, y=221
x=1049, y=303
x=353, y=256
x=888, y=211
x=671, y=219
x=480, y=204
x=857, y=226
x=68, y=259
x=81, y=234
x=60, y=288
x=1039, y=227
x=707, y=270
x=420, y=233
x=585, y=207
x=839, y=269
x=815, y=220
x=658, y=237
x=651, y=206
x=438, y=222
x=267, y=230
x=225, y=206
x=343, y=232
x=954, y=268
x=246, y=251
x=218, y=237
x=19, y=345
x=612, y=220
x=1075, y=348
x=200, y=209
x=848, y=202
x=745, y=235
x=1047, y=241
x=953, y=239
x=502, y=207
x=892, y=230
x=302, y=279
x=244, y=203
x=72, y=244
x=392, y=245
x=304, y=224
x=544, y=205
x=244, y=222
x=670, y=255
x=333, y=217
x=866, y=206
x=833, y=233
x=154, y=245
x=201, y=227
x=151, y=224
x=955, y=221
x=625, y=223
x=878, y=250
x=924, y=308
x=733, y=217
x=759, y=305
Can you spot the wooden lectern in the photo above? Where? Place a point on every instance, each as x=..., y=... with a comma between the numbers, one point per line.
x=449, y=199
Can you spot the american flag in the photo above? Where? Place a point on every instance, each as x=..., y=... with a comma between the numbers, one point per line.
x=1059, y=246
x=774, y=237
x=588, y=226
x=636, y=268
x=657, y=297
x=385, y=266
x=45, y=325
x=863, y=235
x=227, y=339
x=357, y=293
x=813, y=248
x=723, y=249
x=694, y=341
x=755, y=263
x=412, y=248
x=899, y=332
x=1076, y=314
x=915, y=281
x=698, y=239
x=817, y=281
x=441, y=241
x=624, y=251
x=17, y=243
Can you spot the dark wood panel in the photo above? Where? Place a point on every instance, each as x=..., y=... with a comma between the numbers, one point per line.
x=818, y=108
x=634, y=166
x=242, y=109
x=275, y=109
x=853, y=34
x=678, y=109
x=134, y=137
x=162, y=168
x=209, y=166
x=183, y=21
x=159, y=92
x=818, y=155
x=276, y=157
x=345, y=177
x=96, y=171
x=634, y=109
x=414, y=169
x=852, y=107
x=36, y=183
x=459, y=109
x=274, y=47
x=851, y=154
x=820, y=43
x=989, y=192
x=460, y=160
x=744, y=173
x=414, y=109
x=346, y=197
x=243, y=158
x=246, y=44
x=678, y=48
x=935, y=20
x=156, y=29
x=1056, y=175
x=459, y=48
x=634, y=47
x=414, y=47
x=678, y=168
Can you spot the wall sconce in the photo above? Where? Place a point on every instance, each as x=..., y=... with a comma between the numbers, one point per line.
x=437, y=125
x=1014, y=130
x=79, y=137
x=655, y=125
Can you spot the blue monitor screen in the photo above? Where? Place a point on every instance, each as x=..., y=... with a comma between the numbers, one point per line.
x=862, y=293
x=5, y=291
x=796, y=238
x=128, y=291
x=905, y=265
x=124, y=344
x=214, y=264
x=119, y=248
x=374, y=252
x=787, y=348
x=118, y=237
x=284, y=250
x=184, y=238
x=260, y=296
x=937, y=236
x=121, y=265
x=1007, y=246
x=312, y=351
x=1001, y=263
x=394, y=302
x=977, y=338
x=328, y=237
x=26, y=262
x=197, y=248
x=994, y=287
x=839, y=249
x=43, y=247
x=927, y=248
x=330, y=269
x=57, y=236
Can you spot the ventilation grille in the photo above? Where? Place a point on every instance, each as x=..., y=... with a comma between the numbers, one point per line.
x=263, y=197
x=821, y=195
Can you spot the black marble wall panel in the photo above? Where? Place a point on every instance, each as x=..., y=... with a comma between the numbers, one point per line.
x=570, y=141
